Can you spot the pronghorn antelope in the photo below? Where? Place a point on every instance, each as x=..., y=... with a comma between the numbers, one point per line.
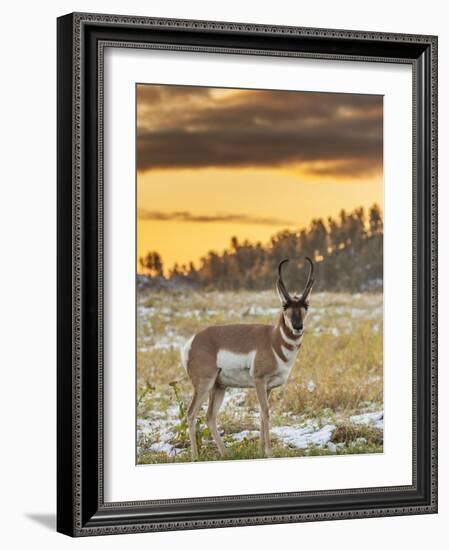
x=245, y=356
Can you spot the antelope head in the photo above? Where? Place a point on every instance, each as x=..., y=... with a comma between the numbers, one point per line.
x=295, y=307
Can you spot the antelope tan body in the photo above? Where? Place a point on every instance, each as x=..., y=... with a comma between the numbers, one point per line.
x=235, y=355
x=244, y=356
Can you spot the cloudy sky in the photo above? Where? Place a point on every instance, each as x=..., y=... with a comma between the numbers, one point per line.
x=212, y=163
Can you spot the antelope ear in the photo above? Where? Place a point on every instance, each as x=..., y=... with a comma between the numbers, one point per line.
x=281, y=296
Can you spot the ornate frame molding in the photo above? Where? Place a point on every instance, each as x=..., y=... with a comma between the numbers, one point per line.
x=81, y=510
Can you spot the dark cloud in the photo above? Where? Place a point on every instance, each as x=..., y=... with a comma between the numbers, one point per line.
x=189, y=217
x=183, y=127
x=152, y=93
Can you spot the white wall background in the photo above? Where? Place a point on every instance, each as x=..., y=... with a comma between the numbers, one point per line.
x=27, y=273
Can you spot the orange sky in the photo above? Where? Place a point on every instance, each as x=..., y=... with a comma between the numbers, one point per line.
x=216, y=163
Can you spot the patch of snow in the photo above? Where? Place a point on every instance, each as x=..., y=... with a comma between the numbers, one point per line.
x=211, y=312
x=159, y=428
x=152, y=311
x=259, y=310
x=188, y=314
x=144, y=427
x=371, y=313
x=234, y=397
x=311, y=386
x=161, y=344
x=375, y=419
x=148, y=311
x=161, y=447
x=357, y=313
x=170, y=341
x=296, y=437
x=301, y=438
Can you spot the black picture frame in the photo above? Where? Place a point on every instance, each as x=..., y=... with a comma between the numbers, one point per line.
x=81, y=509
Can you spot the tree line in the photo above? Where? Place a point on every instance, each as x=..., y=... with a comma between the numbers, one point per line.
x=347, y=251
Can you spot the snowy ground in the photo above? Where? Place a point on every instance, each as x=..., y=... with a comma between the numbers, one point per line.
x=300, y=433
x=331, y=404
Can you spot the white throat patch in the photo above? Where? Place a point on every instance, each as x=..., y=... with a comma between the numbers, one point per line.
x=288, y=340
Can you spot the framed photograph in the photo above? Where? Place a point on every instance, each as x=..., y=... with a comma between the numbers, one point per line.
x=247, y=274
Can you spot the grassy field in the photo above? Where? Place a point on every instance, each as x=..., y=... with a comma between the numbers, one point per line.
x=332, y=403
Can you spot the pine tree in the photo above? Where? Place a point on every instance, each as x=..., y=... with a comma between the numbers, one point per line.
x=153, y=263
x=347, y=252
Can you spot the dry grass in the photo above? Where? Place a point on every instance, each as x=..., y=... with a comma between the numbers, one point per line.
x=338, y=372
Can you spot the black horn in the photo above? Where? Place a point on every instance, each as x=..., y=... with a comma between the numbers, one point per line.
x=310, y=279
x=280, y=283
